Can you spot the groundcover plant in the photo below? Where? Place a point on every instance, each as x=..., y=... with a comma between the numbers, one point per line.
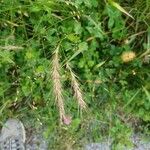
x=79, y=68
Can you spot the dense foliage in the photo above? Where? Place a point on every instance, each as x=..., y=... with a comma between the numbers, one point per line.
x=105, y=43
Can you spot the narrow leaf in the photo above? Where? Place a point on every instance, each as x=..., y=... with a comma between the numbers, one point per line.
x=147, y=93
x=120, y=8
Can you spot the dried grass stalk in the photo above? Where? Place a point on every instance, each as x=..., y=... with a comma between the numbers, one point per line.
x=11, y=47
x=76, y=89
x=57, y=86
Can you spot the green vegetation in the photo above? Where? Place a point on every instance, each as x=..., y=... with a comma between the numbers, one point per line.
x=82, y=59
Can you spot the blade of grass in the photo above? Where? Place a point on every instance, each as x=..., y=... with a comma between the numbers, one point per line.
x=131, y=99
x=116, y=5
x=147, y=93
x=75, y=54
x=100, y=64
x=4, y=106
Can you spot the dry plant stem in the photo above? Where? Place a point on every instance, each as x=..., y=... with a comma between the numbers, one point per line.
x=57, y=86
x=76, y=89
x=11, y=47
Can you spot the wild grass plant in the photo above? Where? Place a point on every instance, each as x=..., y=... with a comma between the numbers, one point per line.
x=81, y=63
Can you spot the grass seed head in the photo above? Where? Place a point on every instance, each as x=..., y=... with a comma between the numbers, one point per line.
x=57, y=86
x=76, y=88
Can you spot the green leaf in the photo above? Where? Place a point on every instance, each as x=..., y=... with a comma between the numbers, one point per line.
x=147, y=93
x=6, y=57
x=40, y=69
x=82, y=47
x=132, y=98
x=77, y=28
x=110, y=22
x=73, y=38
